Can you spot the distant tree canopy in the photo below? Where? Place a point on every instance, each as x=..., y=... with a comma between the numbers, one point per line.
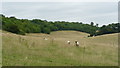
x=107, y=29
x=22, y=26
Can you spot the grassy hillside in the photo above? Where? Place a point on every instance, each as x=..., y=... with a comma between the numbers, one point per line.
x=33, y=50
x=0, y=48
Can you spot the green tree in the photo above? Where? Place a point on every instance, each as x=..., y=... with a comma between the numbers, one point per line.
x=92, y=24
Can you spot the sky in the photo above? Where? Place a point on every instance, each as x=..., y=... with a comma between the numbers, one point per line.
x=60, y=0
x=102, y=13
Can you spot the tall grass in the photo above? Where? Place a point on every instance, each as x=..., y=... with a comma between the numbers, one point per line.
x=0, y=48
x=33, y=50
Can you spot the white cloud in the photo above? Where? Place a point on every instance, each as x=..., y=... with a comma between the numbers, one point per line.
x=98, y=12
x=60, y=0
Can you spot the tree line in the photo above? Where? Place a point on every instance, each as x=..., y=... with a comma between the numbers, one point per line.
x=23, y=26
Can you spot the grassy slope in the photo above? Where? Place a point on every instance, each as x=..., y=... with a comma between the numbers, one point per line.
x=33, y=50
x=0, y=48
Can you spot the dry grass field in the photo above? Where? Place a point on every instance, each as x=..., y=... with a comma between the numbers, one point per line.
x=0, y=48
x=34, y=50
